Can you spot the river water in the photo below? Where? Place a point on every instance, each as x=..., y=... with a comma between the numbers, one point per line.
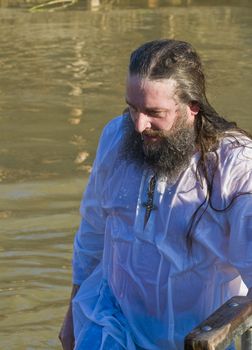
x=62, y=77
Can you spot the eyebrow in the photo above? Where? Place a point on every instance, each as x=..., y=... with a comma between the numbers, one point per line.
x=148, y=110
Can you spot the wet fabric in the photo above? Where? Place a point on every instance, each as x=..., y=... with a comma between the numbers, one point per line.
x=141, y=287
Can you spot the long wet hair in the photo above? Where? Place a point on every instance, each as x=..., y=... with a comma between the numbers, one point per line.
x=178, y=60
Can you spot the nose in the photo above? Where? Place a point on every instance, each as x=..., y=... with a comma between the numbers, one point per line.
x=141, y=122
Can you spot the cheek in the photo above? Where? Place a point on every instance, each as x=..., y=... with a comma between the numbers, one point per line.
x=161, y=124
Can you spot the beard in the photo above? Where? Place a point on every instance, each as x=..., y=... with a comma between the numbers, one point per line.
x=168, y=156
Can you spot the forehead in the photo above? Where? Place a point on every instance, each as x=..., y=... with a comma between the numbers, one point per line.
x=143, y=91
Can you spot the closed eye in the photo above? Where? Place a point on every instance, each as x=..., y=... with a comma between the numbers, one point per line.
x=153, y=113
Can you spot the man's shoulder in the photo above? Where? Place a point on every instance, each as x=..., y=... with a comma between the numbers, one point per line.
x=112, y=133
x=113, y=129
x=110, y=140
x=235, y=146
x=235, y=161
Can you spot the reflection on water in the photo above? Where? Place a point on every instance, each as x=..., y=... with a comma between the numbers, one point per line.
x=62, y=76
x=61, y=79
x=37, y=222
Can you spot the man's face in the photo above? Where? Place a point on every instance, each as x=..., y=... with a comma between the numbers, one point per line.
x=154, y=108
x=161, y=131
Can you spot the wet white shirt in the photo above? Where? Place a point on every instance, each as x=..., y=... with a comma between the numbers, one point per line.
x=141, y=288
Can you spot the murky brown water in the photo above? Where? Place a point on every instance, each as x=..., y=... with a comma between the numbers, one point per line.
x=61, y=79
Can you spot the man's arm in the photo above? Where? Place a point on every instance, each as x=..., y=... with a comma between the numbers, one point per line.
x=89, y=239
x=66, y=334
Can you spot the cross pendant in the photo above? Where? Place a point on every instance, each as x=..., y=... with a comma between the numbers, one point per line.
x=149, y=204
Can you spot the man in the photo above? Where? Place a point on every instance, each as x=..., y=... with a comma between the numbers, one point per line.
x=166, y=233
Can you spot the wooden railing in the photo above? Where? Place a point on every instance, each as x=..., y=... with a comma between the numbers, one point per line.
x=233, y=320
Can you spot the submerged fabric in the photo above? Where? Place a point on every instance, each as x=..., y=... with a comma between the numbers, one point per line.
x=140, y=286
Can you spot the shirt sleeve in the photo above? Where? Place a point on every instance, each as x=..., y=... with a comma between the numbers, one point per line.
x=239, y=215
x=240, y=246
x=88, y=242
x=89, y=239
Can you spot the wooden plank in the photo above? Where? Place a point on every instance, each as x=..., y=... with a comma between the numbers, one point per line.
x=231, y=320
x=246, y=340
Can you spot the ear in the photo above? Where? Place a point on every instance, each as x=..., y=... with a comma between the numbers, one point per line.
x=194, y=108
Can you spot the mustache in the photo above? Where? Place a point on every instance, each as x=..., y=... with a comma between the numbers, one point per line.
x=153, y=133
